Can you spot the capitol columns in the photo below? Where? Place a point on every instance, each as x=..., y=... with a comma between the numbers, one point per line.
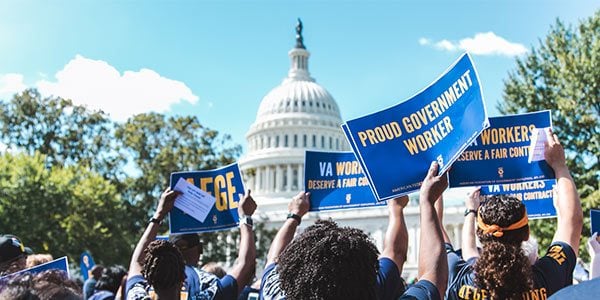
x=258, y=179
x=279, y=180
x=289, y=178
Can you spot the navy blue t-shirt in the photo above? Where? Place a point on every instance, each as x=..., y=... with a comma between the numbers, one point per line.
x=389, y=284
x=589, y=289
x=550, y=273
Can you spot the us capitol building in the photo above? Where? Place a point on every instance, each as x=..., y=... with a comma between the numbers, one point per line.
x=300, y=115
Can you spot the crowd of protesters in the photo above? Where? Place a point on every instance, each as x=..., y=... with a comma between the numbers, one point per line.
x=327, y=261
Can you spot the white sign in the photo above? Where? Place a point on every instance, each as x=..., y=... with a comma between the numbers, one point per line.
x=538, y=144
x=193, y=201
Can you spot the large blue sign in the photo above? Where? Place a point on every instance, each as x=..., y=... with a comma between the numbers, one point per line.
x=335, y=180
x=500, y=154
x=595, y=220
x=396, y=146
x=536, y=195
x=226, y=185
x=57, y=264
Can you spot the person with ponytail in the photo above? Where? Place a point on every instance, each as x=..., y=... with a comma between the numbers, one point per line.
x=156, y=264
x=502, y=270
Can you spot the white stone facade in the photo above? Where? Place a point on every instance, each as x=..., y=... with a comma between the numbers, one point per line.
x=298, y=115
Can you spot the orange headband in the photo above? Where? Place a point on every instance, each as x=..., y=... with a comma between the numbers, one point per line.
x=496, y=230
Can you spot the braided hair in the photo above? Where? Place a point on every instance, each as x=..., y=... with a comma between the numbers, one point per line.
x=327, y=261
x=163, y=265
x=503, y=269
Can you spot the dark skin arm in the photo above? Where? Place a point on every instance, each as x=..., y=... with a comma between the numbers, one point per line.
x=246, y=261
x=165, y=204
x=395, y=244
x=433, y=264
x=299, y=206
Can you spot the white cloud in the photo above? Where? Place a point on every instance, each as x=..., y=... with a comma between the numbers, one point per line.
x=486, y=43
x=98, y=85
x=10, y=84
x=445, y=45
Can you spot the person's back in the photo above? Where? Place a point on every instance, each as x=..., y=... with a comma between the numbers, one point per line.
x=502, y=271
x=331, y=262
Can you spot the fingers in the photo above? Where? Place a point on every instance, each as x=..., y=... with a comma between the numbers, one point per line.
x=432, y=169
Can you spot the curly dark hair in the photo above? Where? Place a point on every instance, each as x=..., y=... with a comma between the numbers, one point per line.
x=163, y=265
x=329, y=262
x=47, y=285
x=503, y=269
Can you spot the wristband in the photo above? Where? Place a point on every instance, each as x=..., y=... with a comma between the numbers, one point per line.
x=468, y=211
x=246, y=220
x=295, y=217
x=155, y=221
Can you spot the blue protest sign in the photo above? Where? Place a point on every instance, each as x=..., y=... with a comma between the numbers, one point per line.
x=595, y=220
x=335, y=180
x=57, y=264
x=225, y=184
x=397, y=145
x=500, y=153
x=86, y=263
x=536, y=195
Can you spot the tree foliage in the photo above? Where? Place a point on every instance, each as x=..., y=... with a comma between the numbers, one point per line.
x=563, y=74
x=63, y=210
x=83, y=182
x=158, y=145
x=66, y=134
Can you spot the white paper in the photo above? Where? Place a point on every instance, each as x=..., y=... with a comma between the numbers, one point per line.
x=193, y=201
x=538, y=144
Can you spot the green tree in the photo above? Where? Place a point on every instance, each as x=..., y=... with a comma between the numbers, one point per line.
x=563, y=74
x=157, y=145
x=63, y=210
x=65, y=133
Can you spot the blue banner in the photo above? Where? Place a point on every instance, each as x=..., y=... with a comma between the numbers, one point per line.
x=58, y=264
x=86, y=263
x=536, y=195
x=595, y=220
x=396, y=146
x=335, y=180
x=500, y=154
x=225, y=184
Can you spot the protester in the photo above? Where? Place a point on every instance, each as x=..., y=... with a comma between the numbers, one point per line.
x=156, y=264
x=204, y=285
x=502, y=271
x=46, y=285
x=90, y=283
x=108, y=283
x=38, y=259
x=331, y=262
x=13, y=257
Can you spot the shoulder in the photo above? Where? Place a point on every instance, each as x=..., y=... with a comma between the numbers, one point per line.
x=137, y=288
x=389, y=282
x=422, y=290
x=554, y=270
x=269, y=287
x=583, y=290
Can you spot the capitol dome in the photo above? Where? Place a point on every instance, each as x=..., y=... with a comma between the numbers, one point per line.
x=297, y=115
x=300, y=115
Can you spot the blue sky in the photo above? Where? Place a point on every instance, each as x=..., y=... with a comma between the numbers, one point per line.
x=217, y=59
